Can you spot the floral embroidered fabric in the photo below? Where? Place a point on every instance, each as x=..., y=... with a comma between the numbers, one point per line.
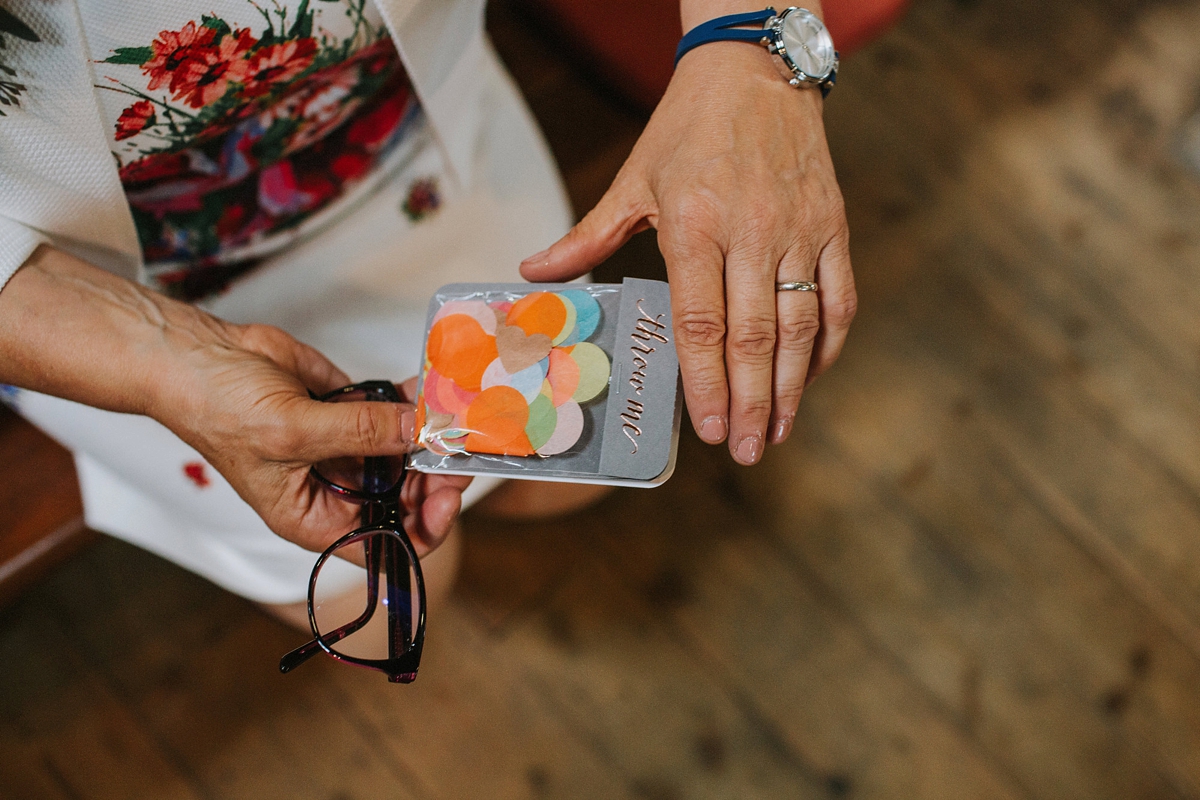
x=233, y=137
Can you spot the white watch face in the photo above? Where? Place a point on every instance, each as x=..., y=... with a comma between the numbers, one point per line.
x=807, y=42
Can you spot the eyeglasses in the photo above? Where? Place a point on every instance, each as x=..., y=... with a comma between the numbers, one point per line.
x=342, y=615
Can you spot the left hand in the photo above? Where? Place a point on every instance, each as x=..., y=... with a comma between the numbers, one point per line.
x=259, y=428
x=243, y=403
x=734, y=172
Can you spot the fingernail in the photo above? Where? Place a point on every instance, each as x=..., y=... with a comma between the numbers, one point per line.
x=749, y=449
x=712, y=430
x=536, y=257
x=782, y=429
x=408, y=424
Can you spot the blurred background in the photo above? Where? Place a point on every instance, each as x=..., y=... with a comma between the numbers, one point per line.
x=973, y=572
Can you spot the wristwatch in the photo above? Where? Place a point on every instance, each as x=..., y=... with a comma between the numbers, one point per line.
x=796, y=35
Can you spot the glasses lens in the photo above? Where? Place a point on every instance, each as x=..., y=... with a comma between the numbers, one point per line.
x=365, y=597
x=370, y=475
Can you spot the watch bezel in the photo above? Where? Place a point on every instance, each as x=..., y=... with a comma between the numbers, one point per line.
x=775, y=44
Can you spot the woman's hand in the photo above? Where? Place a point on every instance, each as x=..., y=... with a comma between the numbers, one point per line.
x=734, y=173
x=238, y=394
x=249, y=414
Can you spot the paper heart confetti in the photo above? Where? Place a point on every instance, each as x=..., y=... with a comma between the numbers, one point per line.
x=509, y=378
x=519, y=350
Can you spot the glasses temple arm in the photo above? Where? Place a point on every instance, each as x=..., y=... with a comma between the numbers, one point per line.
x=306, y=651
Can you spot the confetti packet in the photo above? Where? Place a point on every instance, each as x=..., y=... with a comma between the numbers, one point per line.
x=556, y=382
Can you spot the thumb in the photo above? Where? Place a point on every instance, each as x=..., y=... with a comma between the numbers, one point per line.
x=622, y=212
x=337, y=430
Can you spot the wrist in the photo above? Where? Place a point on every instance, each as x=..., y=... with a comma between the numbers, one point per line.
x=795, y=39
x=75, y=331
x=180, y=349
x=721, y=70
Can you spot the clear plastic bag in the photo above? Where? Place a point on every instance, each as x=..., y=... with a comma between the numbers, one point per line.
x=570, y=382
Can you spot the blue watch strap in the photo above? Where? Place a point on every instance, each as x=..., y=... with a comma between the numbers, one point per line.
x=827, y=84
x=717, y=30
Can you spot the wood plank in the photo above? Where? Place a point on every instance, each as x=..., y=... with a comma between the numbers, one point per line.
x=73, y=735
x=41, y=515
x=951, y=565
x=473, y=726
x=196, y=668
x=612, y=670
x=1125, y=490
x=841, y=704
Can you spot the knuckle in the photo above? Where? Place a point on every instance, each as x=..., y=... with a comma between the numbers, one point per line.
x=759, y=220
x=706, y=378
x=700, y=329
x=834, y=207
x=369, y=428
x=802, y=241
x=753, y=338
x=267, y=340
x=754, y=407
x=280, y=440
x=628, y=197
x=707, y=386
x=695, y=212
x=841, y=310
x=259, y=334
x=799, y=329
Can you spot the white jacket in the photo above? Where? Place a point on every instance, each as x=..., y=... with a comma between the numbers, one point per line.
x=59, y=182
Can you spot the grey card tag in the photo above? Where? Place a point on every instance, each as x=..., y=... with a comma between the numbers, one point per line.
x=641, y=414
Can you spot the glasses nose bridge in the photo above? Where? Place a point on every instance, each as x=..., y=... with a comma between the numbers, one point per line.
x=383, y=510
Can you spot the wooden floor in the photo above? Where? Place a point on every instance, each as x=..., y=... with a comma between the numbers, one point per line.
x=974, y=573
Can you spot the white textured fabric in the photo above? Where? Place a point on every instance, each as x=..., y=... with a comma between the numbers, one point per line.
x=17, y=243
x=447, y=56
x=56, y=173
x=357, y=292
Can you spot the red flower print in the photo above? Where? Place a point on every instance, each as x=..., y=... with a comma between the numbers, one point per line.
x=196, y=65
x=320, y=102
x=156, y=167
x=374, y=128
x=350, y=165
x=277, y=64
x=196, y=473
x=135, y=119
x=318, y=188
x=231, y=221
x=282, y=192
